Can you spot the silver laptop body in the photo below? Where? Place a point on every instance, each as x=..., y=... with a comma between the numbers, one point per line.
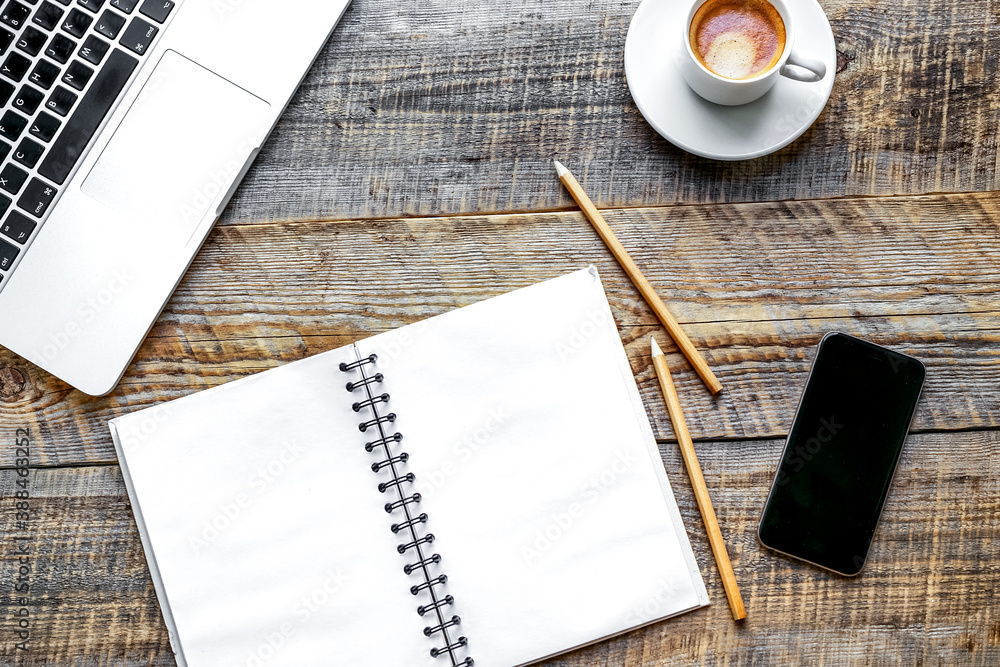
x=97, y=256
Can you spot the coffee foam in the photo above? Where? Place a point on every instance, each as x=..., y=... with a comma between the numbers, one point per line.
x=737, y=39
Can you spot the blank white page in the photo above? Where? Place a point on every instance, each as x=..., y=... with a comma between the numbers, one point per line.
x=263, y=527
x=539, y=471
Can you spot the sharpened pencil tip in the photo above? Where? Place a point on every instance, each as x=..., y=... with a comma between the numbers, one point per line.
x=560, y=169
x=657, y=352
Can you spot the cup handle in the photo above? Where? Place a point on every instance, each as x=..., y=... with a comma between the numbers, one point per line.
x=815, y=69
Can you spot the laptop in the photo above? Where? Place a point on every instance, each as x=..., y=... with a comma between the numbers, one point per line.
x=125, y=127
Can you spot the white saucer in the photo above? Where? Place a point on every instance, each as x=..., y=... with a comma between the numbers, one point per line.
x=681, y=116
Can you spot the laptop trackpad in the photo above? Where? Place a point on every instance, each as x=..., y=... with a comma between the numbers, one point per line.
x=179, y=149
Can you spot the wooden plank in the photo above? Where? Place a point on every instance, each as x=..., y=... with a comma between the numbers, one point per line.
x=928, y=596
x=754, y=285
x=454, y=106
x=90, y=600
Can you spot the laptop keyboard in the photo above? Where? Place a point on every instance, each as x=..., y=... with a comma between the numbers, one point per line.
x=63, y=65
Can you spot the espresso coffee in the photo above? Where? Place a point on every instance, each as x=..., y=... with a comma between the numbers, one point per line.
x=737, y=39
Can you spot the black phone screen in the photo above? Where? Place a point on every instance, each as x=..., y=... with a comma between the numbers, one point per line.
x=841, y=453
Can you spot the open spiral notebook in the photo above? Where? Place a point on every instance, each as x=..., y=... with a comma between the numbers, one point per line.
x=482, y=487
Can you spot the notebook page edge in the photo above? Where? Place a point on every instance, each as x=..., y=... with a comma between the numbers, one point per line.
x=147, y=550
x=609, y=637
x=224, y=387
x=694, y=572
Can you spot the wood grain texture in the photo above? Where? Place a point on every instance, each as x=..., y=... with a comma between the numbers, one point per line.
x=928, y=596
x=754, y=285
x=90, y=599
x=458, y=106
x=455, y=107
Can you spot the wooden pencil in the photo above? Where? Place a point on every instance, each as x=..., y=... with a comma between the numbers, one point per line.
x=645, y=288
x=698, y=483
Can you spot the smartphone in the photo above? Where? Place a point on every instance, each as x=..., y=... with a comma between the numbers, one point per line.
x=841, y=454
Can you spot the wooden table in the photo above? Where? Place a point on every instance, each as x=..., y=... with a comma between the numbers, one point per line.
x=412, y=175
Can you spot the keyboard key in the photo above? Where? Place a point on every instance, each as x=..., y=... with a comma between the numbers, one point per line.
x=139, y=35
x=8, y=253
x=6, y=90
x=12, y=178
x=93, y=49
x=4, y=150
x=15, y=14
x=45, y=127
x=5, y=203
x=77, y=75
x=61, y=100
x=80, y=127
x=158, y=10
x=44, y=74
x=15, y=66
x=17, y=227
x=77, y=23
x=32, y=40
x=6, y=39
x=37, y=197
x=28, y=152
x=12, y=125
x=90, y=5
x=28, y=99
x=47, y=16
x=110, y=24
x=60, y=48
x=124, y=5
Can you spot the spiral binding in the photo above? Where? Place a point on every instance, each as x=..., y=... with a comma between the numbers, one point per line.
x=408, y=527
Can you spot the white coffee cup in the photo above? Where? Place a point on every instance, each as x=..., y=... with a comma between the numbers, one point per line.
x=731, y=92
